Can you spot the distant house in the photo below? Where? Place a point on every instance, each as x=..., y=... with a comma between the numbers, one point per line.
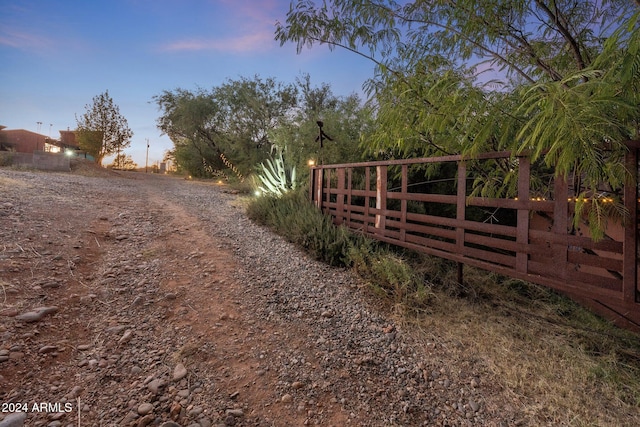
x=68, y=140
x=24, y=141
x=21, y=141
x=32, y=144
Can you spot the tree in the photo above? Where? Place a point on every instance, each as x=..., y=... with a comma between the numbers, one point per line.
x=226, y=127
x=194, y=123
x=238, y=124
x=102, y=130
x=565, y=90
x=253, y=108
x=123, y=161
x=345, y=119
x=531, y=40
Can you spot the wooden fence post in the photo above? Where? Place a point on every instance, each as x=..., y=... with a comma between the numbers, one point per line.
x=381, y=197
x=630, y=244
x=367, y=198
x=461, y=207
x=340, y=196
x=560, y=225
x=349, y=189
x=319, y=181
x=522, y=232
x=403, y=203
x=327, y=186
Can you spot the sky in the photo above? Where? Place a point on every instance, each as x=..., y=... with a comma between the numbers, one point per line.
x=56, y=55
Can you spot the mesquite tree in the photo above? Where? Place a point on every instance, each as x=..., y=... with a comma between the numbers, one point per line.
x=236, y=125
x=565, y=88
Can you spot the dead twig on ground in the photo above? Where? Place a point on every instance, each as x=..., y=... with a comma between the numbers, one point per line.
x=4, y=293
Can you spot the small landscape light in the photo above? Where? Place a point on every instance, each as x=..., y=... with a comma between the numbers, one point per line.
x=311, y=162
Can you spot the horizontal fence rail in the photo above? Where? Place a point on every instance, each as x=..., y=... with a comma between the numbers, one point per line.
x=525, y=237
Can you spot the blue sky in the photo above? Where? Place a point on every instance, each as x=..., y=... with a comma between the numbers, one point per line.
x=56, y=55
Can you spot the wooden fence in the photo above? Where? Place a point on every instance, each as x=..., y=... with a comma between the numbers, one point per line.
x=527, y=237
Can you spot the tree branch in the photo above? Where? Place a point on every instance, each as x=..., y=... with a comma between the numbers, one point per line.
x=561, y=26
x=463, y=36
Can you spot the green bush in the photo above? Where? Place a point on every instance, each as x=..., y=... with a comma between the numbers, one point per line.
x=300, y=222
x=390, y=274
x=6, y=158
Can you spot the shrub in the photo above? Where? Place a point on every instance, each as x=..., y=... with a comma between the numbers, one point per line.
x=6, y=158
x=300, y=222
x=390, y=274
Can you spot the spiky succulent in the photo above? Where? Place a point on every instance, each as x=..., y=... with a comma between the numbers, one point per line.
x=276, y=177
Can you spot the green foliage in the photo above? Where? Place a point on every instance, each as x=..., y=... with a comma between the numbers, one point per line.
x=233, y=127
x=345, y=121
x=529, y=40
x=102, y=130
x=90, y=141
x=390, y=275
x=6, y=158
x=300, y=222
x=568, y=93
x=276, y=177
x=123, y=161
x=227, y=127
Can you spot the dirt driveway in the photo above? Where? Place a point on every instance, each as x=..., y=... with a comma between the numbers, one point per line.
x=134, y=300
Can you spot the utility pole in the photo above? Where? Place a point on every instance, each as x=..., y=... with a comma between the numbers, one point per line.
x=146, y=162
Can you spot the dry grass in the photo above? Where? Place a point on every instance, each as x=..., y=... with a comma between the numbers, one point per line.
x=539, y=354
x=89, y=168
x=12, y=183
x=555, y=363
x=3, y=293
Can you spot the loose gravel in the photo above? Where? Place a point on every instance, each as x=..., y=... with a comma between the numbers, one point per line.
x=140, y=300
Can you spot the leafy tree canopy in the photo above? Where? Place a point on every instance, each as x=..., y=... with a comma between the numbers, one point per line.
x=531, y=40
x=102, y=130
x=232, y=128
x=567, y=90
x=345, y=120
x=225, y=127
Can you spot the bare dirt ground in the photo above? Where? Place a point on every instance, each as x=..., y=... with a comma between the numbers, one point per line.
x=135, y=300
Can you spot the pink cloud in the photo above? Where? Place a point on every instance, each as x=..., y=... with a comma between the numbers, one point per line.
x=253, y=21
x=23, y=40
x=253, y=42
x=254, y=12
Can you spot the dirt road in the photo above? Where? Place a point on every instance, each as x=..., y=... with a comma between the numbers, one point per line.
x=134, y=300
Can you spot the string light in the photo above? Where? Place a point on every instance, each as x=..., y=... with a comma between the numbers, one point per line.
x=231, y=166
x=587, y=199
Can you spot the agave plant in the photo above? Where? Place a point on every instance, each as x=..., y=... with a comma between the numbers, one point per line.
x=276, y=177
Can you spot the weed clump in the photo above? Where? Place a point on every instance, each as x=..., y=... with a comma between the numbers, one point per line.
x=299, y=221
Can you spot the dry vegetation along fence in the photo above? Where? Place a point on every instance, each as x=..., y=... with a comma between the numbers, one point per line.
x=525, y=237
